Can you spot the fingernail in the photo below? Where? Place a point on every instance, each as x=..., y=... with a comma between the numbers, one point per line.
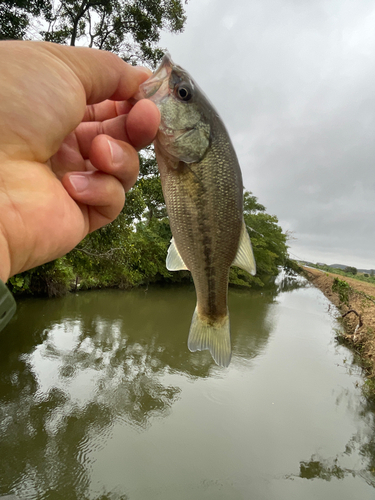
x=79, y=182
x=117, y=153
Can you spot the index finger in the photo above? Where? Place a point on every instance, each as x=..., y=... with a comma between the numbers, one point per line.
x=102, y=74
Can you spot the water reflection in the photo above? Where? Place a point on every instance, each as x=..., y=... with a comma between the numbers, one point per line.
x=101, y=399
x=320, y=468
x=72, y=367
x=360, y=444
x=290, y=282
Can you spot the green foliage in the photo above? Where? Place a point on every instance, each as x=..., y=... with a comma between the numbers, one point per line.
x=361, y=277
x=52, y=279
x=292, y=267
x=19, y=283
x=150, y=247
x=130, y=28
x=15, y=16
x=131, y=250
x=350, y=270
x=150, y=186
x=267, y=238
x=13, y=21
x=368, y=389
x=343, y=289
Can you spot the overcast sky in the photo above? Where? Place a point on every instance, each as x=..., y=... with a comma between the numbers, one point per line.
x=294, y=81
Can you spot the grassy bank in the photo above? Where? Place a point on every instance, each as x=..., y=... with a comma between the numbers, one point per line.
x=356, y=301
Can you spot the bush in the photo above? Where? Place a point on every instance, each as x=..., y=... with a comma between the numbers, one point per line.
x=53, y=279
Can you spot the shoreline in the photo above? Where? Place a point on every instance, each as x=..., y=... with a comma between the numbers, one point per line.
x=356, y=302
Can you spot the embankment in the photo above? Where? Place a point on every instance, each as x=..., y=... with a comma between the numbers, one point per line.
x=356, y=302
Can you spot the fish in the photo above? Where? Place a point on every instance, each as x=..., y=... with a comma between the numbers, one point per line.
x=203, y=191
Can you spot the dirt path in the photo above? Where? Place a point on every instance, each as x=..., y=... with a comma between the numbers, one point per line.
x=359, y=332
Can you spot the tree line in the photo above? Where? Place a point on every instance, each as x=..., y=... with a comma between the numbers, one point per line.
x=130, y=251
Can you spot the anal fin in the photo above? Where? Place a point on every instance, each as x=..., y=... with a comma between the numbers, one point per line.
x=174, y=260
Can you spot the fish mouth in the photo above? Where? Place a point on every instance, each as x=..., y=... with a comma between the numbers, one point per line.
x=156, y=87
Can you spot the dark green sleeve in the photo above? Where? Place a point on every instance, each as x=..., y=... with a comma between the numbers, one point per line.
x=7, y=305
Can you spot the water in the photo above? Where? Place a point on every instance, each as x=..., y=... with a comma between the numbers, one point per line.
x=101, y=399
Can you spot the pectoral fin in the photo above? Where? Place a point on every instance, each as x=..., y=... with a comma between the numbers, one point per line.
x=174, y=260
x=245, y=257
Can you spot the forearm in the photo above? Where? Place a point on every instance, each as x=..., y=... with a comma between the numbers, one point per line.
x=7, y=305
x=7, y=302
x=4, y=259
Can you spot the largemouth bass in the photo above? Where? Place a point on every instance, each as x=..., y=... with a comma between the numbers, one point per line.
x=203, y=192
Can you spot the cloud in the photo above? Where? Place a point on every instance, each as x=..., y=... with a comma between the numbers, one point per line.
x=294, y=82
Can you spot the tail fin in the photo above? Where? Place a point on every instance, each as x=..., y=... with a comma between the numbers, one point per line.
x=215, y=338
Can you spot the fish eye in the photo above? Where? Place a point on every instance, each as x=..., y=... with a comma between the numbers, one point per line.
x=184, y=92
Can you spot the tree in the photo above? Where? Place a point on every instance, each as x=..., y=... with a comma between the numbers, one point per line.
x=116, y=255
x=130, y=28
x=15, y=16
x=128, y=252
x=350, y=270
x=132, y=249
x=150, y=185
x=268, y=241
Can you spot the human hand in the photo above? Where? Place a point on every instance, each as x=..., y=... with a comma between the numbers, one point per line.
x=68, y=141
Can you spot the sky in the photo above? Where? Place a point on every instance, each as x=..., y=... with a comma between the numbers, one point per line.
x=294, y=82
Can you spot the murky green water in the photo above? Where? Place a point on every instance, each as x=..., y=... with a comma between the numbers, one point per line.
x=101, y=399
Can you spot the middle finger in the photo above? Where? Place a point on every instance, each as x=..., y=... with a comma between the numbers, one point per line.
x=138, y=128
x=106, y=110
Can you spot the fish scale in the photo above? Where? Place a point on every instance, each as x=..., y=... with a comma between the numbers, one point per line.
x=203, y=192
x=202, y=226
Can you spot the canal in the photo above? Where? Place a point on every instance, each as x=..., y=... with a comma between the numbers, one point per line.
x=101, y=399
